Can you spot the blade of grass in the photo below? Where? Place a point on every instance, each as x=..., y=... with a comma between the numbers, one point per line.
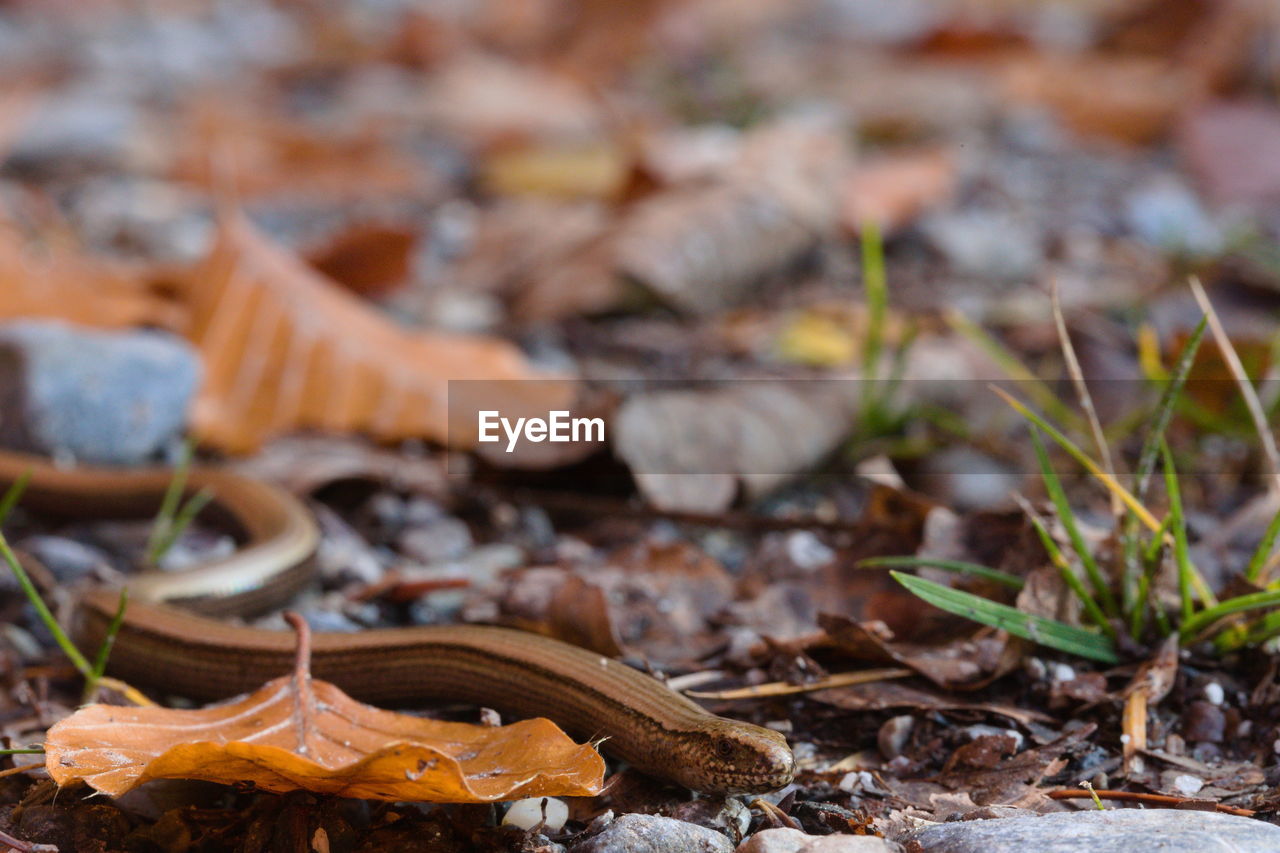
x=957, y=566
x=1178, y=527
x=1262, y=555
x=1082, y=391
x=1241, y=603
x=876, y=284
x=24, y=581
x=180, y=522
x=1251, y=401
x=13, y=494
x=1143, y=514
x=1133, y=600
x=1009, y=363
x=169, y=505
x=104, y=651
x=1067, y=516
x=1046, y=632
x=1079, y=455
x=1164, y=410
x=1069, y=577
x=35, y=750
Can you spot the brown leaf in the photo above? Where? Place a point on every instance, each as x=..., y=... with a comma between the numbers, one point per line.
x=285, y=350
x=369, y=259
x=701, y=247
x=63, y=285
x=689, y=449
x=298, y=733
x=894, y=189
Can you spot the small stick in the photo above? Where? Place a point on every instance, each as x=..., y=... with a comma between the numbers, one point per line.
x=1155, y=799
x=304, y=702
x=775, y=815
x=1082, y=393
x=20, y=846
x=1247, y=391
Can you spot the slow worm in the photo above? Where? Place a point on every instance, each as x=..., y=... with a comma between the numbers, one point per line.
x=644, y=722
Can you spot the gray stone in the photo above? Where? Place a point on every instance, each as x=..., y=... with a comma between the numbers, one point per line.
x=67, y=559
x=639, y=833
x=987, y=244
x=111, y=398
x=794, y=841
x=1110, y=831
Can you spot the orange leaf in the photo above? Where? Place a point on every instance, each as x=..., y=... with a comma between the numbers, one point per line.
x=66, y=286
x=284, y=350
x=297, y=733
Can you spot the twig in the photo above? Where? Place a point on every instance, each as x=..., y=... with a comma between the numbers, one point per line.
x=1247, y=391
x=1082, y=393
x=1155, y=799
x=783, y=688
x=775, y=815
x=20, y=846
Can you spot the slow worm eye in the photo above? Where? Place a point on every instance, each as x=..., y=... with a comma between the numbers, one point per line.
x=724, y=748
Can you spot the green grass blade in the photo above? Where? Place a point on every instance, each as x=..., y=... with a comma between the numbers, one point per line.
x=162, y=527
x=24, y=581
x=34, y=750
x=1263, y=553
x=13, y=494
x=1068, y=518
x=1253, y=601
x=180, y=522
x=1144, y=515
x=104, y=651
x=1046, y=632
x=1164, y=410
x=876, y=284
x=1069, y=577
x=1009, y=363
x=1178, y=527
x=957, y=566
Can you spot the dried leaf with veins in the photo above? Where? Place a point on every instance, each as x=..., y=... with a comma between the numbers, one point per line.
x=296, y=733
x=285, y=350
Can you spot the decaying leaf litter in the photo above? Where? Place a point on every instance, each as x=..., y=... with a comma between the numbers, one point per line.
x=703, y=222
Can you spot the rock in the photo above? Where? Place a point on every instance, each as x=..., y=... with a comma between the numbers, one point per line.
x=1233, y=149
x=110, y=398
x=795, y=841
x=1167, y=215
x=728, y=816
x=638, y=833
x=1111, y=831
x=780, y=840
x=66, y=559
x=987, y=244
x=1203, y=722
x=445, y=538
x=528, y=813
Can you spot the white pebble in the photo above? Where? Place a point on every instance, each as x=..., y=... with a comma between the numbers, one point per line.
x=527, y=814
x=807, y=551
x=1214, y=693
x=1063, y=672
x=1188, y=785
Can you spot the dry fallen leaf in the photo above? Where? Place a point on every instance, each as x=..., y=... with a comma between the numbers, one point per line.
x=284, y=350
x=689, y=449
x=64, y=285
x=297, y=733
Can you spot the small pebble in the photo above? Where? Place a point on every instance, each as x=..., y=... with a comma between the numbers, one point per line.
x=1203, y=722
x=641, y=833
x=528, y=813
x=1188, y=785
x=1214, y=693
x=806, y=551
x=785, y=840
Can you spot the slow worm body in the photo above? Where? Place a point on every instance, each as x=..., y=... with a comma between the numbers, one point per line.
x=644, y=722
